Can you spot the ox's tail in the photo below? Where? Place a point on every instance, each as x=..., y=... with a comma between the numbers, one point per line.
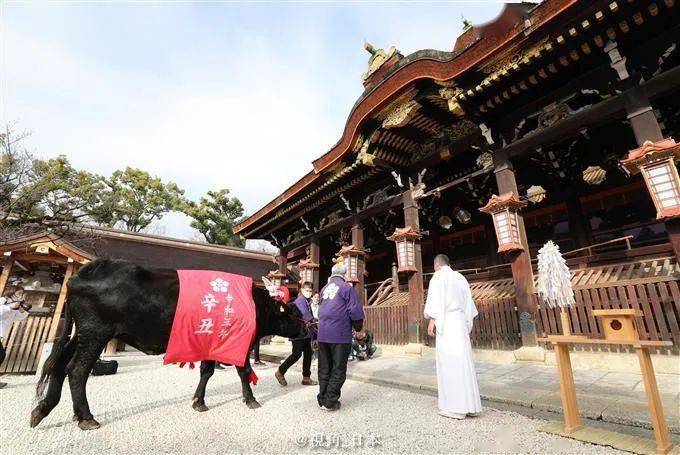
x=55, y=355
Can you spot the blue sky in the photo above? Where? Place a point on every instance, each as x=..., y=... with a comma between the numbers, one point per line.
x=208, y=95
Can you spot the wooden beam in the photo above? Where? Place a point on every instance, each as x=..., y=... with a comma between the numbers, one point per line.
x=458, y=181
x=315, y=256
x=597, y=114
x=416, y=291
x=60, y=303
x=520, y=261
x=646, y=128
x=358, y=242
x=369, y=212
x=6, y=270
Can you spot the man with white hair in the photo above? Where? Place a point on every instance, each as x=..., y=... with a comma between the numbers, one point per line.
x=340, y=311
x=451, y=311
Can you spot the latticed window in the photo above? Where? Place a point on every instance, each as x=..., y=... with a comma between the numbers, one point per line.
x=663, y=184
x=506, y=227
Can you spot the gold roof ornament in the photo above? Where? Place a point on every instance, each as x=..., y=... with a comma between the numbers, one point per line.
x=485, y=161
x=377, y=59
x=536, y=194
x=364, y=157
x=467, y=23
x=400, y=114
x=594, y=175
x=451, y=95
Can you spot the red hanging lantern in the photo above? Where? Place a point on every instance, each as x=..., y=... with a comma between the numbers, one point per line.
x=351, y=256
x=656, y=162
x=405, y=240
x=277, y=277
x=307, y=268
x=504, y=209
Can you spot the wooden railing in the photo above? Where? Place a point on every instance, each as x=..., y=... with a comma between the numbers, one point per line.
x=384, y=290
x=645, y=278
x=25, y=342
x=657, y=297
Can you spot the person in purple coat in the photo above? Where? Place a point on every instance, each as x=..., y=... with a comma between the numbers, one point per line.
x=302, y=347
x=340, y=311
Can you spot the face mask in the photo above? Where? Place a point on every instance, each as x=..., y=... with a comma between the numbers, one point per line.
x=307, y=294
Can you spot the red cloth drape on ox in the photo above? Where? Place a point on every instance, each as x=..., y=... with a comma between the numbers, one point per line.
x=215, y=318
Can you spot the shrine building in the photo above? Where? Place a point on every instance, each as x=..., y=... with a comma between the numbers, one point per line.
x=555, y=121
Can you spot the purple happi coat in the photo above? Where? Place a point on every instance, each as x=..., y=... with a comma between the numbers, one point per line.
x=339, y=307
x=305, y=308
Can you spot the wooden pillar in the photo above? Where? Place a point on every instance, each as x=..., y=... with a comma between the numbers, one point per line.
x=6, y=270
x=395, y=278
x=646, y=128
x=282, y=262
x=416, y=291
x=492, y=242
x=579, y=227
x=70, y=268
x=358, y=242
x=315, y=256
x=522, y=273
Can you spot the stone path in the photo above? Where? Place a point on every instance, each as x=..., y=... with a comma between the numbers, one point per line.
x=602, y=395
x=145, y=409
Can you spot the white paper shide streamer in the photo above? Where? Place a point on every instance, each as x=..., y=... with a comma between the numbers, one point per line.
x=554, y=281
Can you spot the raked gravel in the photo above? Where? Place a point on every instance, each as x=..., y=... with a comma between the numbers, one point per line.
x=146, y=408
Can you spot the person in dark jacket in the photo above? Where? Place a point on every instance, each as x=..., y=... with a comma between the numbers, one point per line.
x=340, y=311
x=302, y=347
x=362, y=346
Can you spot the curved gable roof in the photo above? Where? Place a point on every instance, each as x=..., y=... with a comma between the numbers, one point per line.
x=473, y=47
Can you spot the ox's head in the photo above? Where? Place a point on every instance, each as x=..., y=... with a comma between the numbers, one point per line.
x=276, y=317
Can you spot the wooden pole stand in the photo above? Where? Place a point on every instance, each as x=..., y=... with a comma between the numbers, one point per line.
x=564, y=316
x=572, y=419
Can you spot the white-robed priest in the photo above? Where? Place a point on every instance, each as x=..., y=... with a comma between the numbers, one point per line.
x=451, y=311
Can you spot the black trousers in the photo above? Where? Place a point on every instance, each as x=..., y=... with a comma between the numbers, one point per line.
x=332, y=371
x=2, y=353
x=301, y=348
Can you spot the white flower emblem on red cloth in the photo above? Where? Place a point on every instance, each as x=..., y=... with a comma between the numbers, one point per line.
x=220, y=285
x=330, y=291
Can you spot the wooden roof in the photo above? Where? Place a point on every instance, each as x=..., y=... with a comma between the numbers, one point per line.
x=85, y=243
x=491, y=69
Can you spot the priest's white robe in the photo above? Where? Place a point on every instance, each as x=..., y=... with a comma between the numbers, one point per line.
x=450, y=304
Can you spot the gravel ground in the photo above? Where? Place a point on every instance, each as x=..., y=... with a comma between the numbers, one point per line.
x=146, y=408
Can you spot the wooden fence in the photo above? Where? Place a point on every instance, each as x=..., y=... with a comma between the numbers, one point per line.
x=658, y=300
x=496, y=326
x=25, y=343
x=389, y=324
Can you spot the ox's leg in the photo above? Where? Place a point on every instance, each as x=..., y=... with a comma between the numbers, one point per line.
x=207, y=370
x=56, y=383
x=244, y=374
x=78, y=369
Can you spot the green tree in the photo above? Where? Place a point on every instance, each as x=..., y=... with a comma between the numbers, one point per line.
x=34, y=190
x=136, y=199
x=57, y=191
x=215, y=216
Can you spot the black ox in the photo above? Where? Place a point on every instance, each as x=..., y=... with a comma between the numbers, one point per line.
x=134, y=304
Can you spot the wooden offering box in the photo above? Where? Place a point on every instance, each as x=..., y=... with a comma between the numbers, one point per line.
x=619, y=325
